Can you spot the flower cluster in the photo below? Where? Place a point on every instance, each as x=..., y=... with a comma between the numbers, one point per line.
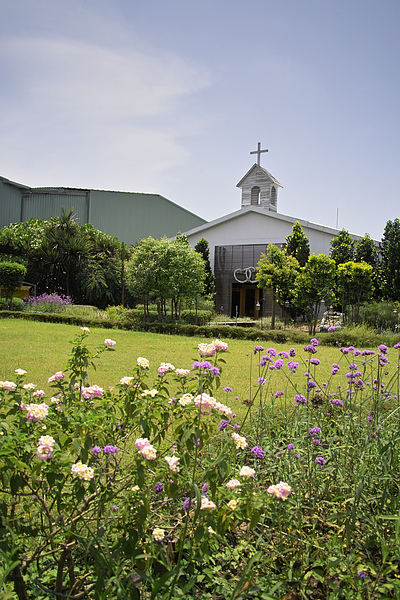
x=152, y=393
x=36, y=412
x=185, y=400
x=165, y=367
x=281, y=490
x=239, y=440
x=247, y=472
x=182, y=372
x=158, y=534
x=207, y=403
x=173, y=463
x=146, y=449
x=82, y=471
x=143, y=362
x=45, y=447
x=56, y=377
x=211, y=348
x=109, y=343
x=258, y=452
x=10, y=386
x=110, y=449
x=232, y=484
x=126, y=380
x=93, y=391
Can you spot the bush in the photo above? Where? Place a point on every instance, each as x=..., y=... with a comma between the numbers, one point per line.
x=11, y=277
x=378, y=315
x=16, y=304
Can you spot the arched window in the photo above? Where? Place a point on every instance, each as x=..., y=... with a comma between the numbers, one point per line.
x=273, y=196
x=255, y=196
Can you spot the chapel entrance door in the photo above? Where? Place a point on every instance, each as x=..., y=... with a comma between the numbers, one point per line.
x=244, y=300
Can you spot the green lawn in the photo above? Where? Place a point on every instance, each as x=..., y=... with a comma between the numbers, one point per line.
x=42, y=348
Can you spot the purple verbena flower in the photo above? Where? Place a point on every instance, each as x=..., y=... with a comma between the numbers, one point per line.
x=110, y=449
x=258, y=452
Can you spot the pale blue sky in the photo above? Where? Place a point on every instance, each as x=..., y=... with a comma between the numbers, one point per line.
x=170, y=96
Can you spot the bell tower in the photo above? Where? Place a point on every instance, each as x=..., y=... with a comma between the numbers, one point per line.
x=259, y=187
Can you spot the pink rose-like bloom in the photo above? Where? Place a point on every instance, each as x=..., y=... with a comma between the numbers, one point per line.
x=126, y=380
x=247, y=472
x=173, y=463
x=91, y=392
x=239, y=441
x=205, y=402
x=232, y=484
x=149, y=452
x=29, y=386
x=220, y=346
x=141, y=443
x=143, y=362
x=56, y=377
x=165, y=367
x=281, y=490
x=20, y=372
x=45, y=447
x=10, y=386
x=206, y=349
x=36, y=412
x=207, y=504
x=109, y=343
x=38, y=394
x=82, y=471
x=182, y=372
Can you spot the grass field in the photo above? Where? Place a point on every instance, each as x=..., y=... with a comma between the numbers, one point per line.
x=42, y=349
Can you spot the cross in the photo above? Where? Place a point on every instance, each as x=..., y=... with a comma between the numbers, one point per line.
x=258, y=152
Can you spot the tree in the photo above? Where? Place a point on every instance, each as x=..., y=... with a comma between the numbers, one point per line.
x=11, y=277
x=277, y=271
x=342, y=248
x=161, y=270
x=390, y=265
x=203, y=249
x=365, y=250
x=314, y=284
x=354, y=286
x=297, y=244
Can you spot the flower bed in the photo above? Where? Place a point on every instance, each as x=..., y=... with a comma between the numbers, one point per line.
x=156, y=489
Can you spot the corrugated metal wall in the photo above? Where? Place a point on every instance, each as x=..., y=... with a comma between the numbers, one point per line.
x=126, y=215
x=133, y=216
x=10, y=205
x=44, y=205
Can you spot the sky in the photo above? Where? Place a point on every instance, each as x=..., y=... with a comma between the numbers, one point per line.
x=171, y=96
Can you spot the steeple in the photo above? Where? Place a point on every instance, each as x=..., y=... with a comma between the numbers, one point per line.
x=259, y=187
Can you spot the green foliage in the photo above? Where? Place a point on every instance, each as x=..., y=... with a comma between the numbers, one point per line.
x=354, y=286
x=278, y=271
x=342, y=248
x=297, y=245
x=65, y=257
x=11, y=277
x=16, y=304
x=314, y=284
x=203, y=249
x=390, y=265
x=380, y=315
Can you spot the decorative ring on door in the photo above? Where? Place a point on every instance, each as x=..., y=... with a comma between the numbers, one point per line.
x=245, y=275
